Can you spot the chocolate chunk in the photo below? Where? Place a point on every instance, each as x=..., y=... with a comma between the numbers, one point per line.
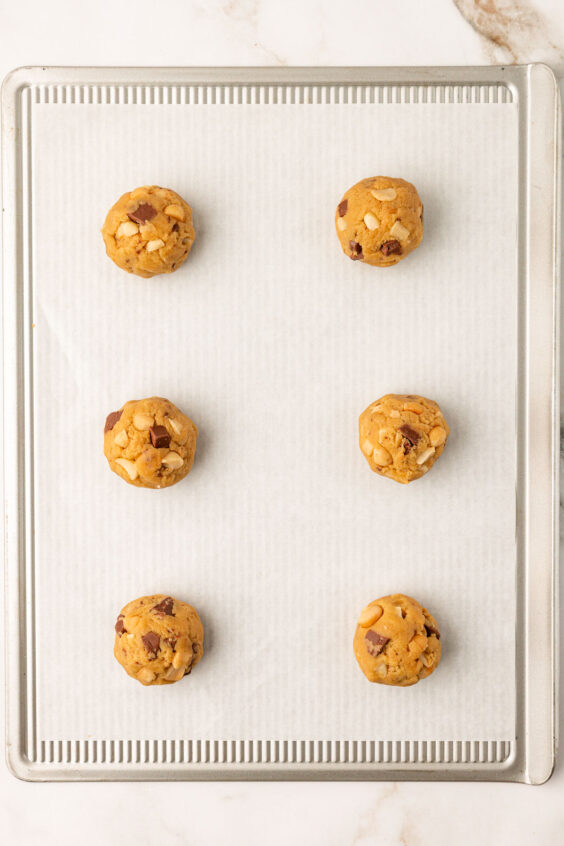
x=430, y=629
x=119, y=627
x=389, y=247
x=356, y=250
x=175, y=227
x=410, y=438
x=375, y=642
x=151, y=642
x=342, y=207
x=111, y=420
x=165, y=607
x=142, y=213
x=171, y=642
x=159, y=436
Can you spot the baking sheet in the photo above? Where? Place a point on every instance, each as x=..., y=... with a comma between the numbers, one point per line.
x=274, y=343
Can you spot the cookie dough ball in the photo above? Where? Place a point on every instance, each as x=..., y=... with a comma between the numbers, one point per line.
x=149, y=231
x=158, y=639
x=150, y=443
x=380, y=220
x=402, y=435
x=397, y=641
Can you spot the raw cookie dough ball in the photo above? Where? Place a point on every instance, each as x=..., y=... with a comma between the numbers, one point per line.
x=402, y=435
x=149, y=231
x=380, y=220
x=158, y=639
x=150, y=443
x=397, y=641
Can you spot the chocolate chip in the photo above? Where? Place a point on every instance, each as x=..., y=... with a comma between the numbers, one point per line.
x=356, y=250
x=151, y=642
x=111, y=420
x=430, y=629
x=119, y=627
x=159, y=436
x=342, y=207
x=171, y=642
x=411, y=438
x=375, y=642
x=165, y=607
x=176, y=227
x=142, y=213
x=389, y=247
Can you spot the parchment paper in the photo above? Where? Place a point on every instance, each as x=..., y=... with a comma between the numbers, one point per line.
x=274, y=342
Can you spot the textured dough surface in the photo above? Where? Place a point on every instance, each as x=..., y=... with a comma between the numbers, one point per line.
x=149, y=231
x=397, y=641
x=402, y=435
x=158, y=639
x=150, y=443
x=380, y=220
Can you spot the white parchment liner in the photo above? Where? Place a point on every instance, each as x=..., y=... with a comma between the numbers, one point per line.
x=274, y=342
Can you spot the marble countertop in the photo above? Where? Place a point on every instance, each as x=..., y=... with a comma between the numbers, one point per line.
x=282, y=32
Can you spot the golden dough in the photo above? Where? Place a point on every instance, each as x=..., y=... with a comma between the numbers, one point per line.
x=380, y=220
x=158, y=639
x=402, y=435
x=150, y=443
x=397, y=641
x=149, y=231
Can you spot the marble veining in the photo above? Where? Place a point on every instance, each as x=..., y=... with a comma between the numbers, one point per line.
x=511, y=30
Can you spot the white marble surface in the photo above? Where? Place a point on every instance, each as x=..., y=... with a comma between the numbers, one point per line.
x=285, y=32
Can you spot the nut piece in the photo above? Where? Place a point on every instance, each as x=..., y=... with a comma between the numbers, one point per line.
x=174, y=673
x=173, y=460
x=421, y=459
x=154, y=245
x=177, y=212
x=398, y=230
x=146, y=676
x=143, y=422
x=414, y=407
x=341, y=223
x=129, y=467
x=371, y=221
x=121, y=438
x=370, y=615
x=384, y=194
x=382, y=670
x=175, y=425
x=126, y=229
x=181, y=659
x=399, y=611
x=437, y=436
x=427, y=659
x=367, y=447
x=381, y=456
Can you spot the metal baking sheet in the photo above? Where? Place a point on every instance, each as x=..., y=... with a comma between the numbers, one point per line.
x=260, y=739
